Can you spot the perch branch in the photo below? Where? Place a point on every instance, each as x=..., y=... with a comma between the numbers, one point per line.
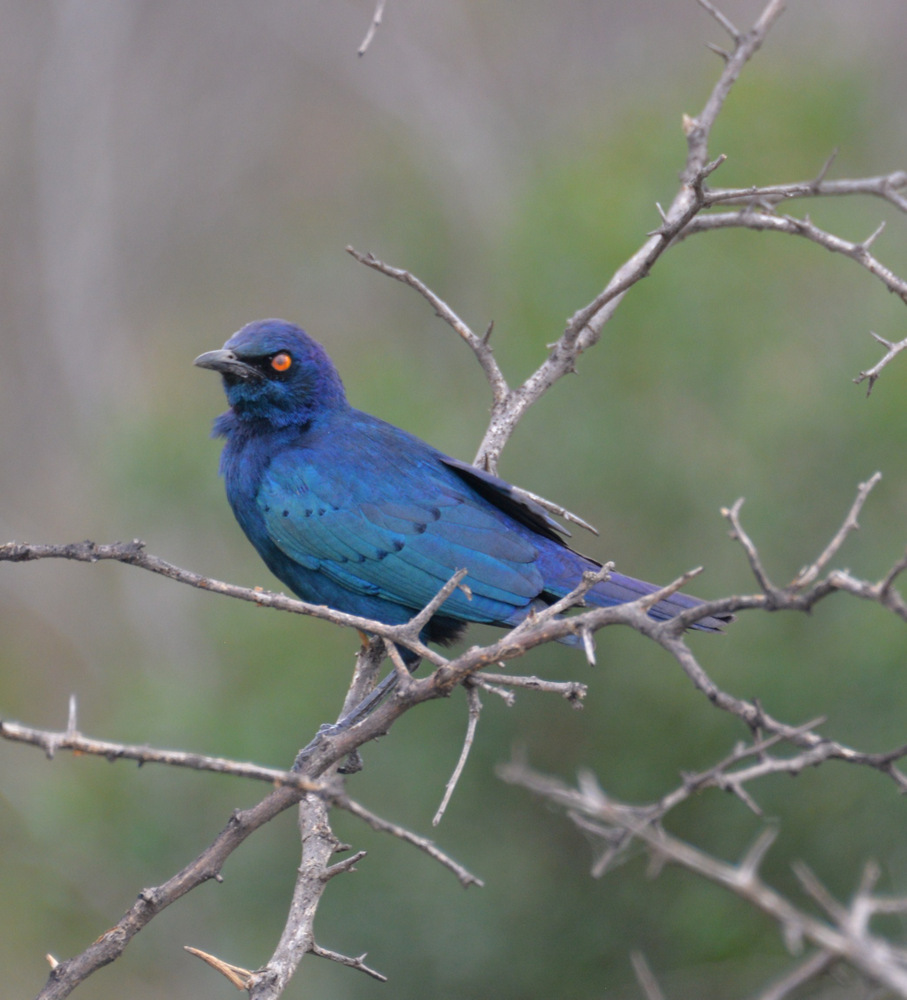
x=582, y=331
x=76, y=742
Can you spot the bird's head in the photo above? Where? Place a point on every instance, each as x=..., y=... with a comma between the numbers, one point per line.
x=275, y=372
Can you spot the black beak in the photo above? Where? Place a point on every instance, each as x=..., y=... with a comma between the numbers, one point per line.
x=227, y=363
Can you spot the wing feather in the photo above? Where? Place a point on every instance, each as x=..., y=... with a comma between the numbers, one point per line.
x=402, y=548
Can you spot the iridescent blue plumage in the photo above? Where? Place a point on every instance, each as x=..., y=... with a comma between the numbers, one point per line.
x=354, y=513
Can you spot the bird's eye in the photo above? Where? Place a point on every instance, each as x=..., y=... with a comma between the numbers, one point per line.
x=281, y=362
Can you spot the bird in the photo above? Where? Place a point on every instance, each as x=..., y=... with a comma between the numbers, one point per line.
x=354, y=513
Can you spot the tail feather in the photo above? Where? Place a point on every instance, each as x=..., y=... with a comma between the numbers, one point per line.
x=619, y=589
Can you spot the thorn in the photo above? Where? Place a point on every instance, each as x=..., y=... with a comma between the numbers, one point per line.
x=240, y=977
x=753, y=858
x=871, y=874
x=372, y=28
x=710, y=168
x=793, y=937
x=734, y=509
x=718, y=50
x=588, y=646
x=819, y=893
x=645, y=977
x=341, y=867
x=826, y=166
x=722, y=19
x=71, y=729
x=487, y=335
x=51, y=961
x=868, y=242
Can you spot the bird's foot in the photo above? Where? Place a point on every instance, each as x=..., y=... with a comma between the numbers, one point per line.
x=353, y=762
x=325, y=731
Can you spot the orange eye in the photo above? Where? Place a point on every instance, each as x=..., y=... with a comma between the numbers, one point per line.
x=281, y=362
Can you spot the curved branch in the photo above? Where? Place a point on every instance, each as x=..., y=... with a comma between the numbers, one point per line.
x=885, y=186
x=479, y=345
x=791, y=226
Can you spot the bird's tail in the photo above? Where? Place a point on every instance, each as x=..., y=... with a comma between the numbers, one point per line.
x=562, y=569
x=619, y=589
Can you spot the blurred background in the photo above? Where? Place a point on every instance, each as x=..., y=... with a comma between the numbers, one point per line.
x=170, y=170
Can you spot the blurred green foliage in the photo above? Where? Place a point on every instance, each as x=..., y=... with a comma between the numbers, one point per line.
x=728, y=372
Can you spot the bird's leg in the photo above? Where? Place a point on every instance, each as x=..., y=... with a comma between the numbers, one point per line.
x=368, y=704
x=371, y=701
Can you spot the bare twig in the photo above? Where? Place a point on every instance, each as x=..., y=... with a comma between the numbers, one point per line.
x=352, y=963
x=546, y=627
x=479, y=345
x=892, y=350
x=419, y=621
x=571, y=600
x=792, y=226
x=318, y=845
x=810, y=968
x=554, y=508
x=573, y=691
x=728, y=777
x=373, y=27
x=881, y=593
x=722, y=19
x=885, y=186
x=584, y=328
x=732, y=513
x=644, y=975
x=475, y=708
x=422, y=843
x=810, y=573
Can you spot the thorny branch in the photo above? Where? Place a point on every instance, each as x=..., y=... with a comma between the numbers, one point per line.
x=316, y=779
x=792, y=226
x=69, y=739
x=479, y=345
x=584, y=328
x=892, y=351
x=844, y=935
x=687, y=215
x=316, y=782
x=616, y=826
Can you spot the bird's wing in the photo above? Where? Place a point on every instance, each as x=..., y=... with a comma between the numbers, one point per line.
x=507, y=498
x=398, y=531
